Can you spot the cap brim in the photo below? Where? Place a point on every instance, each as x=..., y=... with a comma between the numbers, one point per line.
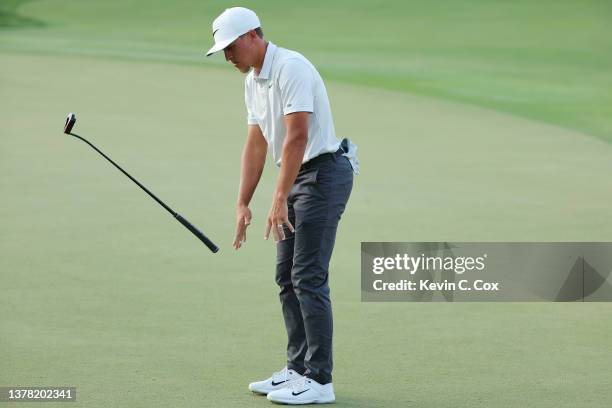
x=219, y=46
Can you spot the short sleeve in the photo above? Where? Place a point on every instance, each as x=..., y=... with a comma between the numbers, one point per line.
x=248, y=101
x=296, y=83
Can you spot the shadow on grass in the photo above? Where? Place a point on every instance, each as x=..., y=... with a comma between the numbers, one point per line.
x=9, y=18
x=348, y=401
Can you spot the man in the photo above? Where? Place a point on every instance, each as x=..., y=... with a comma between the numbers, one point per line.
x=288, y=112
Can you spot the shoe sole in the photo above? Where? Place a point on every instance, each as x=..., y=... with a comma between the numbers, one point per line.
x=293, y=402
x=260, y=392
x=263, y=392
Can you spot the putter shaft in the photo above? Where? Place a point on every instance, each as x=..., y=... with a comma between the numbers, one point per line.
x=195, y=231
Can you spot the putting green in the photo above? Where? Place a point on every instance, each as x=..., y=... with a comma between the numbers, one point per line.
x=104, y=291
x=549, y=60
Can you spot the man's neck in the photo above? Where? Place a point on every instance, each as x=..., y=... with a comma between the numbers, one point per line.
x=260, y=58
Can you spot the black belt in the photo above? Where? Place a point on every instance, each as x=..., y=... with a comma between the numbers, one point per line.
x=325, y=156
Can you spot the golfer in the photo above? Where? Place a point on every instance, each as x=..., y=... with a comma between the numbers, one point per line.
x=288, y=112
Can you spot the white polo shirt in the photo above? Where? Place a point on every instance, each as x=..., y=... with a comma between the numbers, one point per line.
x=289, y=83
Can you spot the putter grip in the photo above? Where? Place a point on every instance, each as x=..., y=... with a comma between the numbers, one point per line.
x=197, y=233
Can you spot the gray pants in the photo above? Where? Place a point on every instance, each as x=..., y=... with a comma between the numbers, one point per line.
x=316, y=202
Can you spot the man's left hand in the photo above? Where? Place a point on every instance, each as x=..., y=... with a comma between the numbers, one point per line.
x=277, y=218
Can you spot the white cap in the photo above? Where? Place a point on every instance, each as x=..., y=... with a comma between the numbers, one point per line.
x=231, y=24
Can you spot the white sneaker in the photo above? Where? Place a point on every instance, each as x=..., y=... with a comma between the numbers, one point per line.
x=303, y=391
x=276, y=382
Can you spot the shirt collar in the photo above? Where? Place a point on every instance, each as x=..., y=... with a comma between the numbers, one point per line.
x=267, y=65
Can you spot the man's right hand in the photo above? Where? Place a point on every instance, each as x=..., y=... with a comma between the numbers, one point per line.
x=252, y=164
x=243, y=220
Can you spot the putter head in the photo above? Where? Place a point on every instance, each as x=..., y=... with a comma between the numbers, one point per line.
x=70, y=121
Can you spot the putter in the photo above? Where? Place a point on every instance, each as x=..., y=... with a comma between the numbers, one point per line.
x=71, y=120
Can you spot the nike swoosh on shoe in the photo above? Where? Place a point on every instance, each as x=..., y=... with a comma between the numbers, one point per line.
x=295, y=394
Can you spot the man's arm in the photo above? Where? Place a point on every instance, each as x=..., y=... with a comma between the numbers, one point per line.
x=252, y=164
x=292, y=156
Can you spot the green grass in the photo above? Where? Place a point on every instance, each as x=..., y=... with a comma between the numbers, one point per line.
x=102, y=290
x=547, y=60
x=9, y=18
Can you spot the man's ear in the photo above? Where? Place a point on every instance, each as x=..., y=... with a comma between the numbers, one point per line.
x=252, y=35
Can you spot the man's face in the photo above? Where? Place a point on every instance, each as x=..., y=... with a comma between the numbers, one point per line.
x=240, y=53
